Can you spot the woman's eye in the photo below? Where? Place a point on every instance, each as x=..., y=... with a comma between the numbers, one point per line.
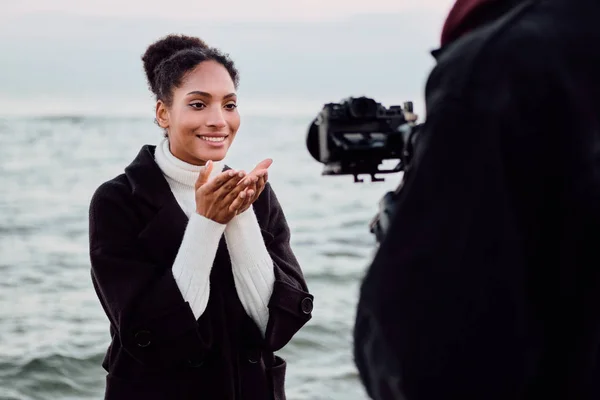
x=231, y=106
x=197, y=106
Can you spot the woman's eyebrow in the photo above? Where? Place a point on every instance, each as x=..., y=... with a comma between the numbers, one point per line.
x=205, y=94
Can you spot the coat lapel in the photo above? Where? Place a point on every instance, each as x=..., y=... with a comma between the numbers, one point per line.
x=166, y=220
x=164, y=232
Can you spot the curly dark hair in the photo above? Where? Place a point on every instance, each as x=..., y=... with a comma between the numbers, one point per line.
x=169, y=59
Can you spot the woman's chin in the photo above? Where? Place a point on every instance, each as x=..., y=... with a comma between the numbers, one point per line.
x=212, y=154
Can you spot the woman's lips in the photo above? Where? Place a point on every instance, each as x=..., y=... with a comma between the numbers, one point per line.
x=213, y=140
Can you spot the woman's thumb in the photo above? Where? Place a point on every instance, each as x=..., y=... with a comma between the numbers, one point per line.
x=204, y=174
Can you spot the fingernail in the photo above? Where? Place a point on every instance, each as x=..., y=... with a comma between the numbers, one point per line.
x=231, y=172
x=241, y=174
x=250, y=192
x=243, y=195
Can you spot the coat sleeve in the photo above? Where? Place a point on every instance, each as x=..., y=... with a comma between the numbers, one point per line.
x=145, y=307
x=291, y=305
x=443, y=310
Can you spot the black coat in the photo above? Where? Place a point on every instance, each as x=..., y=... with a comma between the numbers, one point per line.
x=158, y=349
x=487, y=285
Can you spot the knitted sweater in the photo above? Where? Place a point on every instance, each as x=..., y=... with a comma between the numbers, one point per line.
x=251, y=263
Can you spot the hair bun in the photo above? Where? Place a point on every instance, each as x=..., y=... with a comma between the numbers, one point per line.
x=163, y=49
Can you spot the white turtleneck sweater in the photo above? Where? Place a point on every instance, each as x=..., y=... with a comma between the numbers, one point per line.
x=252, y=265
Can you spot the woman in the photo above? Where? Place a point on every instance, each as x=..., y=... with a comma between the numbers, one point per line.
x=190, y=260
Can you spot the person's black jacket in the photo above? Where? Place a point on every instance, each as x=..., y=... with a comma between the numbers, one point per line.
x=487, y=285
x=158, y=350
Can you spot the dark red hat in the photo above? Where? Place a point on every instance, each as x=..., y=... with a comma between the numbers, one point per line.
x=462, y=18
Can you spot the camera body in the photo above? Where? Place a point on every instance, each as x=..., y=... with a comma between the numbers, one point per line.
x=355, y=136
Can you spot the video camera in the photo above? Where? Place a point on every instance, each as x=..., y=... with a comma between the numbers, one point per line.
x=355, y=136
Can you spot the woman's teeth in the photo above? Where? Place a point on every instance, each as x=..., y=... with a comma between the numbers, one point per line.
x=212, y=139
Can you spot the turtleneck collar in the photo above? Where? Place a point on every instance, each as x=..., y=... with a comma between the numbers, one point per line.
x=178, y=170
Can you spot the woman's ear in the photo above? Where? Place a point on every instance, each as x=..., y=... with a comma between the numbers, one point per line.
x=162, y=114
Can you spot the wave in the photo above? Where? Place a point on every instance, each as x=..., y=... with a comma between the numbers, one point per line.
x=55, y=376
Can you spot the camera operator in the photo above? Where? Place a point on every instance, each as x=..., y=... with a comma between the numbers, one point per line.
x=487, y=283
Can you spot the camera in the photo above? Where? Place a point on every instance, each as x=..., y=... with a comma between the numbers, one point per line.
x=355, y=136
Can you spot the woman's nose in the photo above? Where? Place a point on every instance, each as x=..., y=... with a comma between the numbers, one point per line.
x=215, y=118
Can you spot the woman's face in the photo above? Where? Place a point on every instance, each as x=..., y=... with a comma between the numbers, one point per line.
x=203, y=118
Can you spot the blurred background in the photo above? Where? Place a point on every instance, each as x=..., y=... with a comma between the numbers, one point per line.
x=75, y=109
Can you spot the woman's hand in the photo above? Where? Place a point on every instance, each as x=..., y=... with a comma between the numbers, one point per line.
x=219, y=199
x=255, y=182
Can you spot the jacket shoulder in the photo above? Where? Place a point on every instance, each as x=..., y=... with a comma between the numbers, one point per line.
x=269, y=213
x=266, y=201
x=118, y=187
x=515, y=42
x=113, y=199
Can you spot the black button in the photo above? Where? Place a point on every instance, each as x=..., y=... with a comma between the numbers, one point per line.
x=254, y=356
x=306, y=305
x=142, y=338
x=196, y=362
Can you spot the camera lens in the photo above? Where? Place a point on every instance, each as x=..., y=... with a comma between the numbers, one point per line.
x=363, y=107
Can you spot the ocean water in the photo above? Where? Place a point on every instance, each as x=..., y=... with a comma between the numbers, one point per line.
x=53, y=332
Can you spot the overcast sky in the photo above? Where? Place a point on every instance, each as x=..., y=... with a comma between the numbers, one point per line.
x=78, y=56
x=225, y=10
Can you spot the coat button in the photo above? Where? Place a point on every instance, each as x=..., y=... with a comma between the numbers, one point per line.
x=254, y=356
x=196, y=362
x=142, y=338
x=306, y=305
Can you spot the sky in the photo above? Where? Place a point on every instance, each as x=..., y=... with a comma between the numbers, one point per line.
x=83, y=57
x=308, y=10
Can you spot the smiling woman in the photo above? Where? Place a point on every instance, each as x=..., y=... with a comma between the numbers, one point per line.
x=196, y=100
x=191, y=260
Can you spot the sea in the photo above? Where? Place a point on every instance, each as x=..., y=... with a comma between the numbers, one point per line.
x=53, y=331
